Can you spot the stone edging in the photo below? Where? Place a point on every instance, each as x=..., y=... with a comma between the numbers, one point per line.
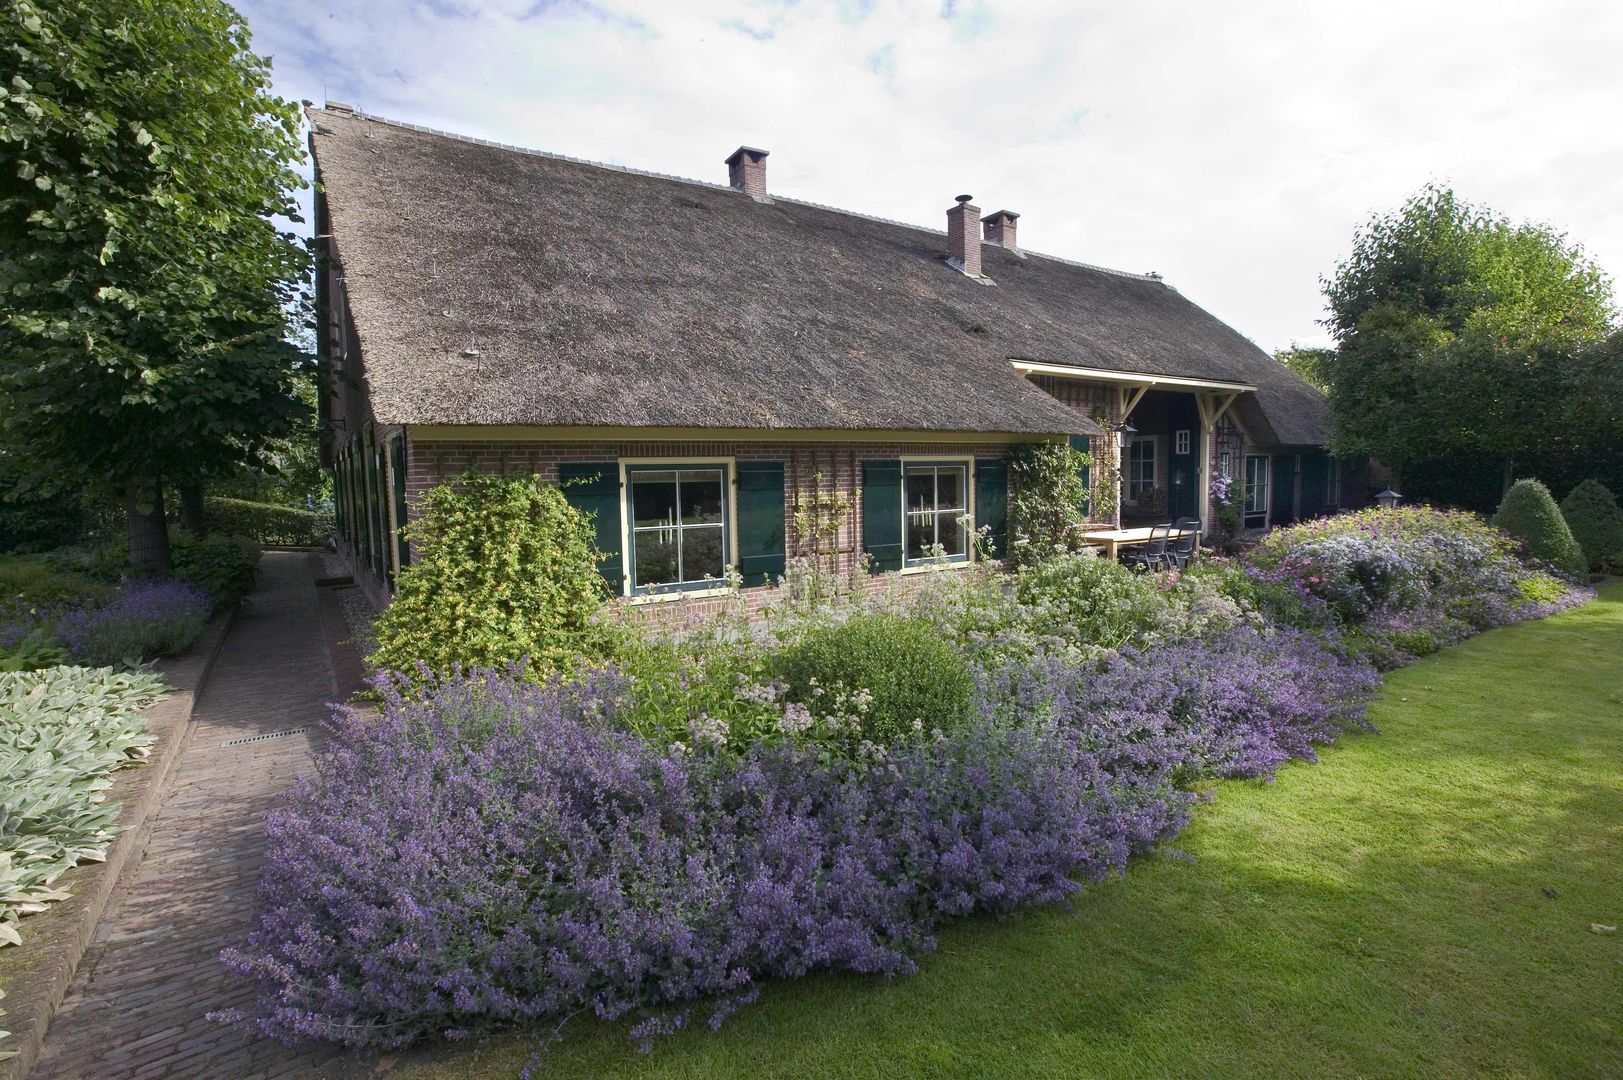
x=36, y=974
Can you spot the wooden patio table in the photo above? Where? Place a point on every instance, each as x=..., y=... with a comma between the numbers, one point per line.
x=1113, y=540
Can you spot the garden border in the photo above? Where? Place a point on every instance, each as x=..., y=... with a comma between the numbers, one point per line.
x=36, y=975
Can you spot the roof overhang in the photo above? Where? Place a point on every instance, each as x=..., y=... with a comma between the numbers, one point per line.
x=1129, y=378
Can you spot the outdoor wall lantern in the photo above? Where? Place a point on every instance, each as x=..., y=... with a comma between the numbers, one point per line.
x=1388, y=499
x=1124, y=435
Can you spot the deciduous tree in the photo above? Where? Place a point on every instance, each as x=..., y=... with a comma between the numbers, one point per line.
x=144, y=283
x=1459, y=331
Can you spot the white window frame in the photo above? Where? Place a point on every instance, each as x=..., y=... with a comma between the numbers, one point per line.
x=1265, y=489
x=1180, y=441
x=1136, y=485
x=914, y=566
x=663, y=593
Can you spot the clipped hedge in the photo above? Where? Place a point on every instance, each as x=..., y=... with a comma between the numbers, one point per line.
x=269, y=523
x=1592, y=513
x=1530, y=515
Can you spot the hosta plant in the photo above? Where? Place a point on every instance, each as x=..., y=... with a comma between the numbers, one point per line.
x=63, y=731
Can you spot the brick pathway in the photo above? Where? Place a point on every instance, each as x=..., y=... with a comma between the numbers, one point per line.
x=137, y=1004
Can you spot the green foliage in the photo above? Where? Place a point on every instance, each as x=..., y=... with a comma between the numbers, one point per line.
x=1091, y=602
x=62, y=732
x=33, y=582
x=1457, y=330
x=225, y=566
x=1310, y=363
x=702, y=688
x=145, y=311
x=39, y=649
x=881, y=678
x=503, y=569
x=1046, y=500
x=268, y=523
x=1596, y=521
x=1530, y=515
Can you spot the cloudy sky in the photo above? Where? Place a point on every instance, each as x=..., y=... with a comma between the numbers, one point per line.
x=1233, y=147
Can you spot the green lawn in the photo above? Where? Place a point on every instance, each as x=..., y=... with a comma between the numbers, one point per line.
x=1418, y=904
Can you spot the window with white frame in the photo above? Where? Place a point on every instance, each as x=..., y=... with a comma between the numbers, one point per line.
x=1140, y=467
x=1256, y=490
x=678, y=516
x=935, y=497
x=1180, y=441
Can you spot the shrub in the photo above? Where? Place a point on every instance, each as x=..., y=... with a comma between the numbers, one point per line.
x=1090, y=602
x=503, y=570
x=62, y=731
x=1046, y=500
x=1592, y=513
x=491, y=855
x=146, y=619
x=224, y=567
x=1530, y=515
x=879, y=678
x=1237, y=703
x=269, y=523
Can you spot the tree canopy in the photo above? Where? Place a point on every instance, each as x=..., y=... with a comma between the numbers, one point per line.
x=145, y=287
x=1310, y=362
x=1459, y=331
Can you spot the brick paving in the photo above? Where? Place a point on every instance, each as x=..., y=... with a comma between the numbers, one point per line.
x=137, y=1005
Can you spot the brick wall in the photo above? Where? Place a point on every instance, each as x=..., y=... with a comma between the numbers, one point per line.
x=832, y=468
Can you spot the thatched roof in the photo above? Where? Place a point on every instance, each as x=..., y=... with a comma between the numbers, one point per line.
x=490, y=285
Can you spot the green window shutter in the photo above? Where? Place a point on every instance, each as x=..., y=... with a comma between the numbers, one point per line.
x=760, y=520
x=397, y=451
x=882, y=513
x=593, y=488
x=1084, y=445
x=992, y=502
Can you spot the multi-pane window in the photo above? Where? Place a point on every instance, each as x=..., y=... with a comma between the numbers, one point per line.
x=1256, y=490
x=1140, y=467
x=678, y=526
x=1180, y=441
x=936, y=499
x=1332, y=488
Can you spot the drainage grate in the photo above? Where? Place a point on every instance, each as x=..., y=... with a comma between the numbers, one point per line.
x=265, y=737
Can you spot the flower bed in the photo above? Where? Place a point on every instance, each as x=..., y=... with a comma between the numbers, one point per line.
x=695, y=814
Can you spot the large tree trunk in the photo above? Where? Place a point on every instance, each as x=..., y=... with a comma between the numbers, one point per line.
x=149, y=532
x=1510, y=477
x=192, y=516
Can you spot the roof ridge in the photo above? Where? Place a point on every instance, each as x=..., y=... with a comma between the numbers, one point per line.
x=533, y=152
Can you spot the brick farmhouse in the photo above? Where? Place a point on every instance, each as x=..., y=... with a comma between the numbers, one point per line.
x=729, y=379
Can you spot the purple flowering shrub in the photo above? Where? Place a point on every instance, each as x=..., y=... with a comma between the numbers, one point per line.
x=1237, y=703
x=1406, y=582
x=494, y=853
x=145, y=619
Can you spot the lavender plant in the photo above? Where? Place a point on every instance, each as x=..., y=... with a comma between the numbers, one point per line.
x=493, y=852
x=146, y=619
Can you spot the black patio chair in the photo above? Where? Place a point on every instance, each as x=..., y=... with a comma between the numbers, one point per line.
x=1181, y=551
x=1152, y=554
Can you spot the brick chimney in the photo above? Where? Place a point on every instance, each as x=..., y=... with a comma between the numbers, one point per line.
x=999, y=228
x=746, y=171
x=964, y=237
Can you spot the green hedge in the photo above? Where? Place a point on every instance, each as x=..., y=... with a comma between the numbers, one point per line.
x=1596, y=522
x=1530, y=515
x=268, y=523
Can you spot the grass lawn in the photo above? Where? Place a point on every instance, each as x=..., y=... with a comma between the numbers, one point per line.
x=1418, y=904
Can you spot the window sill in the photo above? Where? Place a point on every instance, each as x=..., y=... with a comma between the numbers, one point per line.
x=679, y=594
x=928, y=568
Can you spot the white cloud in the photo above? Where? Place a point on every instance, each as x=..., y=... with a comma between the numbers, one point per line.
x=1232, y=147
